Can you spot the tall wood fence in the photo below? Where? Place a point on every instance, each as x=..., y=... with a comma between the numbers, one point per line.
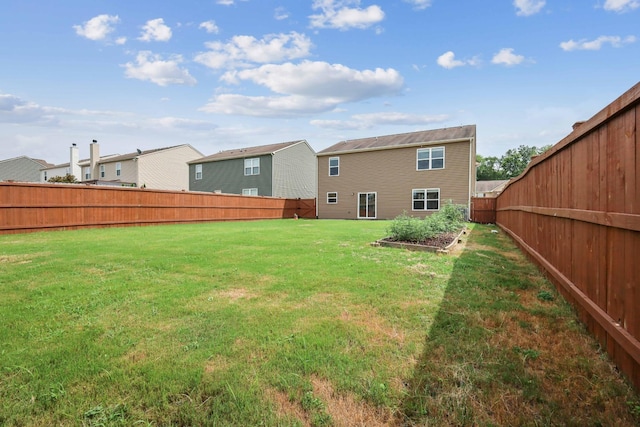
x=26, y=207
x=576, y=212
x=483, y=210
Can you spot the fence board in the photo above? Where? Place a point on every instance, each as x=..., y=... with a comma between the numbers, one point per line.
x=26, y=207
x=576, y=212
x=483, y=210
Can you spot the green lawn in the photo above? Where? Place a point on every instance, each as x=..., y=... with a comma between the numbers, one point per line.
x=289, y=322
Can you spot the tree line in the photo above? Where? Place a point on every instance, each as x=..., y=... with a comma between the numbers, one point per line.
x=509, y=165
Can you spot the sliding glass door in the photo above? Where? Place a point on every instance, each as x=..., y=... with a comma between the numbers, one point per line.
x=367, y=205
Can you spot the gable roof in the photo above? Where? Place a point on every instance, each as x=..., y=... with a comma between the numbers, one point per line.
x=435, y=136
x=129, y=156
x=490, y=185
x=41, y=162
x=240, y=153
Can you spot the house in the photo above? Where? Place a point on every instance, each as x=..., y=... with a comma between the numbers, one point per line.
x=490, y=188
x=22, y=169
x=286, y=169
x=61, y=170
x=382, y=177
x=160, y=168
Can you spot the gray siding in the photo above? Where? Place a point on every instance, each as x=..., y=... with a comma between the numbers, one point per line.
x=392, y=175
x=295, y=172
x=228, y=177
x=20, y=169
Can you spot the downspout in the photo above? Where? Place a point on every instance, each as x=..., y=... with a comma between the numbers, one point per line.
x=472, y=160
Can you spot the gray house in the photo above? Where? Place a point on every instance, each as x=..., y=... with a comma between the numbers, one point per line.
x=23, y=168
x=286, y=169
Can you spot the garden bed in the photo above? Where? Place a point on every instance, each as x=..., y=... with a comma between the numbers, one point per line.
x=441, y=243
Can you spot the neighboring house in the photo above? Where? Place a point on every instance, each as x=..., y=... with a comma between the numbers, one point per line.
x=382, y=177
x=490, y=188
x=287, y=169
x=160, y=169
x=22, y=169
x=71, y=168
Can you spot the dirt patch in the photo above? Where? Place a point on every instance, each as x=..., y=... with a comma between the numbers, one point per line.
x=236, y=294
x=374, y=324
x=286, y=408
x=347, y=410
x=216, y=364
x=15, y=259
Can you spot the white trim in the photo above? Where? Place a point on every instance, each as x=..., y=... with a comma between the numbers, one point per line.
x=338, y=166
x=249, y=191
x=426, y=200
x=336, y=197
x=430, y=149
x=375, y=194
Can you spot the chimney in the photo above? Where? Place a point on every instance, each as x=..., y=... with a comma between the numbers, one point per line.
x=74, y=158
x=94, y=158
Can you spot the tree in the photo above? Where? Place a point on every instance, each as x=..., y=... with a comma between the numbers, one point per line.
x=68, y=178
x=510, y=165
x=515, y=160
x=488, y=168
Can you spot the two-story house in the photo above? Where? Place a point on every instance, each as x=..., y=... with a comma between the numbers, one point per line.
x=22, y=169
x=286, y=169
x=382, y=177
x=159, y=169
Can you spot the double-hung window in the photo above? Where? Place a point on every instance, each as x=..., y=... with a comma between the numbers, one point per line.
x=87, y=173
x=252, y=166
x=198, y=172
x=430, y=158
x=427, y=199
x=118, y=169
x=332, y=198
x=249, y=191
x=102, y=173
x=334, y=166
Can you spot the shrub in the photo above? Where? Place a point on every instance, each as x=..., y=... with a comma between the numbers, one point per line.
x=407, y=228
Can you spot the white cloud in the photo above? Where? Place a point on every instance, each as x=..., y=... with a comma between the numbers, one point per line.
x=155, y=30
x=98, y=27
x=420, y=4
x=309, y=87
x=16, y=110
x=121, y=40
x=280, y=14
x=337, y=14
x=210, y=27
x=615, y=41
x=621, y=6
x=225, y=2
x=448, y=60
x=370, y=120
x=152, y=67
x=528, y=7
x=507, y=57
x=246, y=50
x=180, y=123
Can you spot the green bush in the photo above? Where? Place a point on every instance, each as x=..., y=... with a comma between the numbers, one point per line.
x=448, y=219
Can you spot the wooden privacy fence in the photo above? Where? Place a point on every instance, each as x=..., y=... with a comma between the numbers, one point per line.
x=576, y=212
x=28, y=207
x=483, y=210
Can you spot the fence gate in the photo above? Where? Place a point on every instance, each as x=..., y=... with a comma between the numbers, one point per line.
x=483, y=210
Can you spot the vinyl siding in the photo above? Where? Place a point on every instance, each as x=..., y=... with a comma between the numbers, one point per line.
x=166, y=169
x=128, y=173
x=392, y=174
x=294, y=172
x=228, y=176
x=20, y=169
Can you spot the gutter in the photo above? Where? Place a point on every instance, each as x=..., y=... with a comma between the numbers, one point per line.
x=395, y=147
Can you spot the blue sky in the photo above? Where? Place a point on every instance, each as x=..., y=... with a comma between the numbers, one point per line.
x=222, y=74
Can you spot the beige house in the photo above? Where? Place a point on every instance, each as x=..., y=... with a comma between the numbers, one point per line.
x=160, y=169
x=382, y=177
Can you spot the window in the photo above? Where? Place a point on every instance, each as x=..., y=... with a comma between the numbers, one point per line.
x=426, y=199
x=101, y=171
x=430, y=158
x=45, y=176
x=118, y=169
x=198, y=171
x=332, y=198
x=87, y=173
x=252, y=166
x=249, y=191
x=334, y=166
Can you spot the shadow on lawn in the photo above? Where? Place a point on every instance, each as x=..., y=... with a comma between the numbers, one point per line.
x=504, y=349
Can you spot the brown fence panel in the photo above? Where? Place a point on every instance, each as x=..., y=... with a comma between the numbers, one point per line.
x=27, y=207
x=483, y=210
x=576, y=212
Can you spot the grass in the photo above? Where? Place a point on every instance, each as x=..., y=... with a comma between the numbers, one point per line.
x=289, y=323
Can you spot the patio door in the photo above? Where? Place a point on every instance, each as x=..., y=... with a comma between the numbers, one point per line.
x=367, y=205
